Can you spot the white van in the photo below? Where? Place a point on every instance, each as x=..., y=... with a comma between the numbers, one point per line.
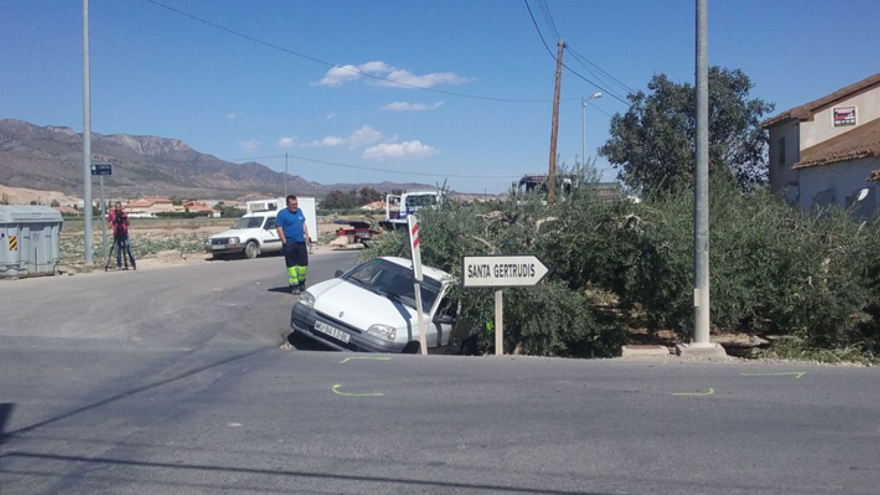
x=255, y=233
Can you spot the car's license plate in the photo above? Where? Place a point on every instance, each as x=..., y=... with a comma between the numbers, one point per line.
x=218, y=246
x=332, y=331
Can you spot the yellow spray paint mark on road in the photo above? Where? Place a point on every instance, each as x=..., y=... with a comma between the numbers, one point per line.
x=684, y=394
x=345, y=394
x=795, y=374
x=13, y=243
x=370, y=358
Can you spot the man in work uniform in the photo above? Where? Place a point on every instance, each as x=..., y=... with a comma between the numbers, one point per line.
x=294, y=234
x=118, y=221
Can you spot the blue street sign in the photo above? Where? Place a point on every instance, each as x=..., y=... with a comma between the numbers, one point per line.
x=102, y=169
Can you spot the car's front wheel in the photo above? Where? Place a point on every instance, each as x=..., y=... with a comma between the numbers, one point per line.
x=250, y=250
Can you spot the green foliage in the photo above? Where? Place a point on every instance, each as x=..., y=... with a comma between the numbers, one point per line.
x=181, y=214
x=232, y=212
x=369, y=195
x=653, y=143
x=773, y=270
x=338, y=200
x=552, y=319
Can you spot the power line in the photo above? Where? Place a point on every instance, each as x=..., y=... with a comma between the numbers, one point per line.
x=330, y=64
x=550, y=22
x=599, y=109
x=373, y=169
x=586, y=62
x=549, y=18
x=609, y=92
x=538, y=29
x=274, y=157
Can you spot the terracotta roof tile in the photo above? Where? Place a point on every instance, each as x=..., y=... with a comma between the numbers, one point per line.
x=861, y=142
x=807, y=110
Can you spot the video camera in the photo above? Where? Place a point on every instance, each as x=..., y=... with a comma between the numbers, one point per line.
x=119, y=223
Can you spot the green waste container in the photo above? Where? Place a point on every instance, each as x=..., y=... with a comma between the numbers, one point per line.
x=30, y=241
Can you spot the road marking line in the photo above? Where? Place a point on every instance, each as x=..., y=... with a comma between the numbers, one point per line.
x=372, y=358
x=710, y=392
x=337, y=392
x=796, y=374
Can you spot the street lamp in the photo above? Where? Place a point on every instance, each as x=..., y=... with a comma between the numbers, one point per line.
x=584, y=124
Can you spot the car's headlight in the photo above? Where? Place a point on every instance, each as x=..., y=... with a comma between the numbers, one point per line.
x=307, y=299
x=383, y=332
x=233, y=240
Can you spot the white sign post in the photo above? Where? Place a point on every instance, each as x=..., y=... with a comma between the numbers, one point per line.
x=413, y=227
x=498, y=272
x=102, y=169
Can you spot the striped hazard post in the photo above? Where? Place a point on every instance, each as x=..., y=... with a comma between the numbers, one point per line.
x=13, y=243
x=413, y=227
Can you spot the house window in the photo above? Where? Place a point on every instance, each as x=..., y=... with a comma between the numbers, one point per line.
x=781, y=152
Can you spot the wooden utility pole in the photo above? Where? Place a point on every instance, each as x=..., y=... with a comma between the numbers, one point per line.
x=555, y=130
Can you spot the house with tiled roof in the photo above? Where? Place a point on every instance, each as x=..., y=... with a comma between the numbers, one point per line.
x=827, y=152
x=200, y=208
x=149, y=206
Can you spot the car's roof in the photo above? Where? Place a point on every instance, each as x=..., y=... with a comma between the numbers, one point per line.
x=435, y=273
x=260, y=213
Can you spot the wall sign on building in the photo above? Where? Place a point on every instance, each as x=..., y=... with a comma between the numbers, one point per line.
x=844, y=116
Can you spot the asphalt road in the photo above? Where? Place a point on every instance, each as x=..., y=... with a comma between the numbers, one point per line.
x=171, y=381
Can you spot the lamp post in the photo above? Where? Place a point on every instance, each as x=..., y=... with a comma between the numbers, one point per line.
x=584, y=124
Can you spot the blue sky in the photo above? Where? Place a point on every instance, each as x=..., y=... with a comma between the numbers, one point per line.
x=159, y=72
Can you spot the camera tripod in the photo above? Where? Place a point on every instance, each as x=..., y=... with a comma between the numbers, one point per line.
x=122, y=246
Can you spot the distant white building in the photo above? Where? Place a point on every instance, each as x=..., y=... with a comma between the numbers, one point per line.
x=827, y=152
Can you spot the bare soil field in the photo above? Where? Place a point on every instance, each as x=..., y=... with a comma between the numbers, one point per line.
x=164, y=242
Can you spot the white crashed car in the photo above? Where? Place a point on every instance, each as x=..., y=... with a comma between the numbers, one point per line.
x=372, y=308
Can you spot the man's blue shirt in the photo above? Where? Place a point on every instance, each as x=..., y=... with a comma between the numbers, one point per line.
x=292, y=224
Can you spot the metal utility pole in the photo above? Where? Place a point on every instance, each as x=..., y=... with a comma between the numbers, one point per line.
x=87, y=143
x=554, y=132
x=701, y=184
x=584, y=125
x=285, y=174
x=583, y=130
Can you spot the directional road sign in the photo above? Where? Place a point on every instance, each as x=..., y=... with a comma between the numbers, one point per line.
x=517, y=270
x=102, y=169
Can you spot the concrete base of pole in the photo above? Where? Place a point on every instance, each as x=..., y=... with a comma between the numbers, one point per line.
x=639, y=351
x=709, y=352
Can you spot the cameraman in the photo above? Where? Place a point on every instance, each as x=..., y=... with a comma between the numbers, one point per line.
x=118, y=221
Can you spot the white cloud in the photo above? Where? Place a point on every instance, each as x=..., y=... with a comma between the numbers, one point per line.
x=403, y=106
x=338, y=75
x=330, y=116
x=375, y=67
x=250, y=146
x=286, y=142
x=407, y=149
x=397, y=77
x=231, y=116
x=364, y=136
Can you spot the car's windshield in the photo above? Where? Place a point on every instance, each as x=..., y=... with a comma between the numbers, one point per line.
x=248, y=223
x=394, y=282
x=421, y=200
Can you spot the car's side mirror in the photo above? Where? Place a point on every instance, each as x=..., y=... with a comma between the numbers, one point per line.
x=444, y=319
x=338, y=273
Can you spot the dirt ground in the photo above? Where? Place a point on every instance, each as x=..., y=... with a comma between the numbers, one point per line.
x=157, y=246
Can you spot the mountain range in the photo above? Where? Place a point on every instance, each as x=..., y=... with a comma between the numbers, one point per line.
x=51, y=159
